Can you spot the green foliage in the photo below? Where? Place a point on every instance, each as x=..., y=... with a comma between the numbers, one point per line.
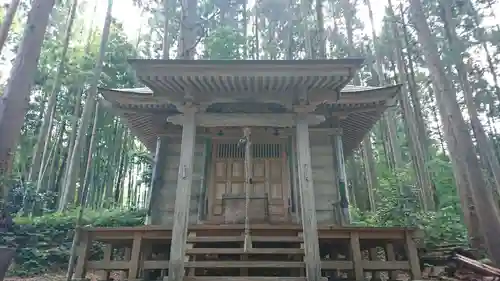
x=43, y=243
x=443, y=226
x=397, y=205
x=224, y=43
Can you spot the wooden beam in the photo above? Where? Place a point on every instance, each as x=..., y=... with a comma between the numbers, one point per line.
x=241, y=238
x=183, y=197
x=173, y=131
x=244, y=119
x=247, y=264
x=148, y=69
x=308, y=209
x=239, y=251
x=243, y=278
x=329, y=131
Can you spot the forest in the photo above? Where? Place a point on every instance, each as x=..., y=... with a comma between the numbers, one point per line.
x=432, y=161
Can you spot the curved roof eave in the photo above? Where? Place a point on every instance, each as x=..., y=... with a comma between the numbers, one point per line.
x=136, y=106
x=144, y=95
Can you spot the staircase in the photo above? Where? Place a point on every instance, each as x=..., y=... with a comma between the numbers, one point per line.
x=272, y=254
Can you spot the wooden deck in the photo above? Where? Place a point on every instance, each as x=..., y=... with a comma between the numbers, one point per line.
x=216, y=251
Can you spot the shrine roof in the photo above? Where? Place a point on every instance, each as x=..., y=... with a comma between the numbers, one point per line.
x=250, y=86
x=220, y=81
x=355, y=110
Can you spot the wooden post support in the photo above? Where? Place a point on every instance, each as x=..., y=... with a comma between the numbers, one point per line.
x=356, y=256
x=182, y=197
x=83, y=252
x=391, y=256
x=107, y=253
x=411, y=251
x=342, y=183
x=307, y=206
x=135, y=255
x=160, y=162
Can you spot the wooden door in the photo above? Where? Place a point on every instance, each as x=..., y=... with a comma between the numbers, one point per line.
x=269, y=190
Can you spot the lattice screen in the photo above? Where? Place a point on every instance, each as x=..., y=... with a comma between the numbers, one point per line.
x=259, y=150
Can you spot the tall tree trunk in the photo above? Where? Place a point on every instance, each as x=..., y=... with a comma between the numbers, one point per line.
x=41, y=147
x=412, y=86
x=434, y=111
x=7, y=22
x=321, y=29
x=304, y=15
x=187, y=40
x=92, y=146
x=459, y=141
x=417, y=147
x=166, y=37
x=485, y=148
x=69, y=190
x=122, y=167
x=78, y=93
x=15, y=98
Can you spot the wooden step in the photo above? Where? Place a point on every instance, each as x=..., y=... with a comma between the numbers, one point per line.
x=240, y=251
x=213, y=239
x=244, y=264
x=243, y=278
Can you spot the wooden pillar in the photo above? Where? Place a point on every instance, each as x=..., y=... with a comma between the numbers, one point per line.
x=157, y=181
x=182, y=197
x=307, y=206
x=342, y=182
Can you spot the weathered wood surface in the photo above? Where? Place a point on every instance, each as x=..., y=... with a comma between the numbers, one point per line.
x=307, y=200
x=280, y=120
x=324, y=230
x=244, y=278
x=182, y=198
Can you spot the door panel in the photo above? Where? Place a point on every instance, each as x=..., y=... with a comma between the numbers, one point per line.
x=269, y=190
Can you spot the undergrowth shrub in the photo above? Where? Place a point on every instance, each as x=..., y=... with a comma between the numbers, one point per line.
x=44, y=243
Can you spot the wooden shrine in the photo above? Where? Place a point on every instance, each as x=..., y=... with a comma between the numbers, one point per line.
x=249, y=181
